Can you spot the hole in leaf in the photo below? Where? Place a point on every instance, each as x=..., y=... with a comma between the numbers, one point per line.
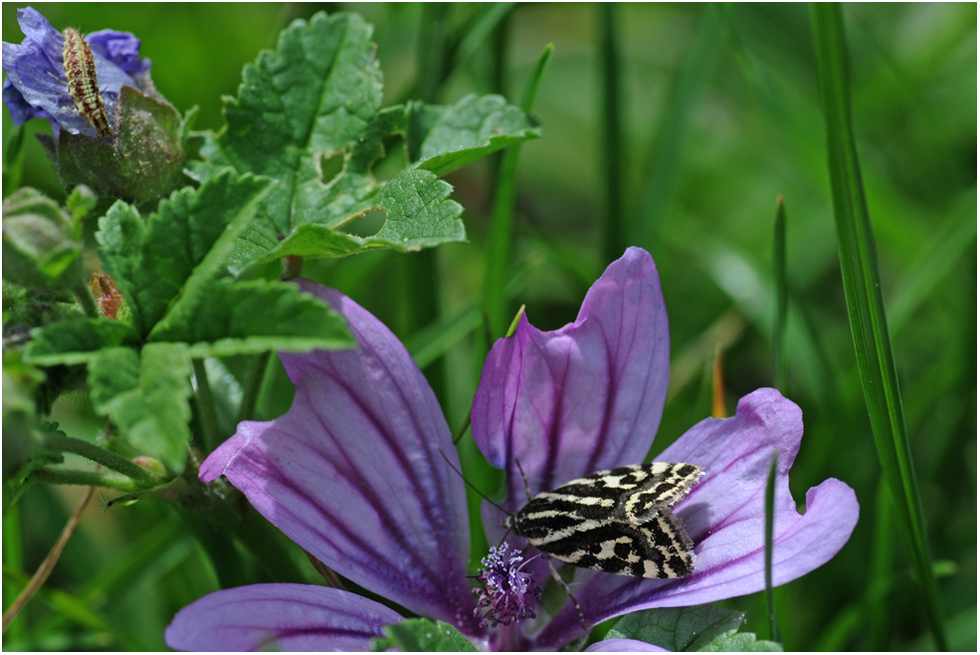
x=366, y=225
x=331, y=166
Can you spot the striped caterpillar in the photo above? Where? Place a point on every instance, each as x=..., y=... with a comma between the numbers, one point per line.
x=83, y=84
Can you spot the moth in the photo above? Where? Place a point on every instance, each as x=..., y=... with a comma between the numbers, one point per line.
x=83, y=83
x=618, y=521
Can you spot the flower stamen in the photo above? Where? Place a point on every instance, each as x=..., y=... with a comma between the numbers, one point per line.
x=507, y=593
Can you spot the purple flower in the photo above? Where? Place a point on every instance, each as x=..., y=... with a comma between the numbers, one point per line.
x=36, y=86
x=354, y=474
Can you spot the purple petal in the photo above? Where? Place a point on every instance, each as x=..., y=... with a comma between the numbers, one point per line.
x=120, y=48
x=624, y=646
x=288, y=617
x=725, y=517
x=586, y=397
x=355, y=471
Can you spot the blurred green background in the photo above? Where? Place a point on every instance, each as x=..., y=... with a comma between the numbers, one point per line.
x=719, y=111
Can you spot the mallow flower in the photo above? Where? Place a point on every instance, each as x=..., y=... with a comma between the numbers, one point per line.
x=355, y=473
x=142, y=158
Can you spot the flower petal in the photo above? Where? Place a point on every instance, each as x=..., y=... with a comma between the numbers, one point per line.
x=288, y=617
x=582, y=398
x=725, y=517
x=624, y=646
x=355, y=471
x=120, y=48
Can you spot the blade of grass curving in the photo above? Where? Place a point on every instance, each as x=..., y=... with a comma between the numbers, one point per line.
x=672, y=128
x=774, y=633
x=486, y=19
x=502, y=221
x=862, y=292
x=957, y=235
x=782, y=304
x=615, y=238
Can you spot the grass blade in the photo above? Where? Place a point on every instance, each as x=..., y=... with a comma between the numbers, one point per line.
x=782, y=297
x=671, y=132
x=502, y=221
x=615, y=238
x=774, y=632
x=862, y=291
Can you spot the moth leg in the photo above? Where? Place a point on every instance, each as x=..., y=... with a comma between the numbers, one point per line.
x=568, y=590
x=527, y=485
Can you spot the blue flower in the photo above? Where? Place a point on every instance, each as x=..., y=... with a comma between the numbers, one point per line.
x=36, y=86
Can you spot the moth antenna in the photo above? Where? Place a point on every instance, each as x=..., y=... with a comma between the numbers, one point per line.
x=471, y=486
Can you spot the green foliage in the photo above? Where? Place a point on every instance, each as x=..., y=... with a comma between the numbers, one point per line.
x=182, y=248
x=145, y=395
x=700, y=628
x=318, y=97
x=420, y=636
x=741, y=642
x=78, y=340
x=41, y=245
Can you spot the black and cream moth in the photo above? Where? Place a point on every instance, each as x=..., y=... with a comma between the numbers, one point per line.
x=618, y=521
x=83, y=83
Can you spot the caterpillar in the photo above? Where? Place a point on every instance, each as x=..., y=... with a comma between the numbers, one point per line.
x=83, y=84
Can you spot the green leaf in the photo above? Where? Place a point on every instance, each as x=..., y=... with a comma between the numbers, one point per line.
x=77, y=340
x=145, y=394
x=473, y=127
x=120, y=237
x=678, y=628
x=40, y=248
x=740, y=642
x=317, y=98
x=422, y=635
x=184, y=244
x=81, y=202
x=235, y=318
x=419, y=215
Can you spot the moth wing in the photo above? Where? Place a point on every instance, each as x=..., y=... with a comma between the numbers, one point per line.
x=660, y=548
x=666, y=485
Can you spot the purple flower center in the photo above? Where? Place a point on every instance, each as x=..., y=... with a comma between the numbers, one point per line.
x=507, y=593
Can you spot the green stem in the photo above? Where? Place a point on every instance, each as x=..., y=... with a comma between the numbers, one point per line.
x=615, y=239
x=108, y=459
x=211, y=433
x=862, y=292
x=250, y=395
x=84, y=478
x=774, y=632
x=779, y=272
